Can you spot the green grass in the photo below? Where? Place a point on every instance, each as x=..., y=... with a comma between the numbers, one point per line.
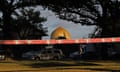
x=59, y=66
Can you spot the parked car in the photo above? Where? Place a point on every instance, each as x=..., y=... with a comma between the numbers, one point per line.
x=45, y=54
x=29, y=54
x=2, y=55
x=49, y=54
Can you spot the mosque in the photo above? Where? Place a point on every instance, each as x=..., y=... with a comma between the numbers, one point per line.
x=62, y=33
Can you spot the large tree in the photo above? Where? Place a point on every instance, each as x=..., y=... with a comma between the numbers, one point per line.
x=102, y=13
x=19, y=21
x=7, y=8
x=27, y=23
x=105, y=14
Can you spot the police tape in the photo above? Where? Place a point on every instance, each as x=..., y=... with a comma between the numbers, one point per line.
x=63, y=41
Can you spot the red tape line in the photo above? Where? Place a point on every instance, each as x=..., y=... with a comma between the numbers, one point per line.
x=70, y=41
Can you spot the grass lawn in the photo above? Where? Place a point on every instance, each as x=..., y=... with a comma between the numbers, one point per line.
x=59, y=66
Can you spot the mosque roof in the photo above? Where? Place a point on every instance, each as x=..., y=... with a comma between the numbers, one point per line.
x=60, y=32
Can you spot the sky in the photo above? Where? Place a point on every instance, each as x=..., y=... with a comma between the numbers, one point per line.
x=76, y=30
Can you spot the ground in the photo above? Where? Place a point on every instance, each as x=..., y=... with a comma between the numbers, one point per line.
x=59, y=66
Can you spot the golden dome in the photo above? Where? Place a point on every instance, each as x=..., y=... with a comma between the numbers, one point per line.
x=60, y=33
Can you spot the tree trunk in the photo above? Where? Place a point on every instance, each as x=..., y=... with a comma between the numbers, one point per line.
x=104, y=46
x=8, y=28
x=8, y=32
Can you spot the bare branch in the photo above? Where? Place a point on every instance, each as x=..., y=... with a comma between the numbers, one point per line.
x=81, y=14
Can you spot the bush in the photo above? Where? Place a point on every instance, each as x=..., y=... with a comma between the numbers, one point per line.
x=89, y=55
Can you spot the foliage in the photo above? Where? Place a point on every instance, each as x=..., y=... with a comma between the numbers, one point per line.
x=8, y=8
x=105, y=14
x=102, y=13
x=22, y=26
x=27, y=22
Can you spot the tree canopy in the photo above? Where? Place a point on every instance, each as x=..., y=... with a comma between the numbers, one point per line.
x=102, y=13
x=26, y=19
x=105, y=14
x=28, y=25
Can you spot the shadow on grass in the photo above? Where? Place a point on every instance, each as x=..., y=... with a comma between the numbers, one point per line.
x=101, y=69
x=95, y=69
x=5, y=62
x=21, y=71
x=59, y=64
